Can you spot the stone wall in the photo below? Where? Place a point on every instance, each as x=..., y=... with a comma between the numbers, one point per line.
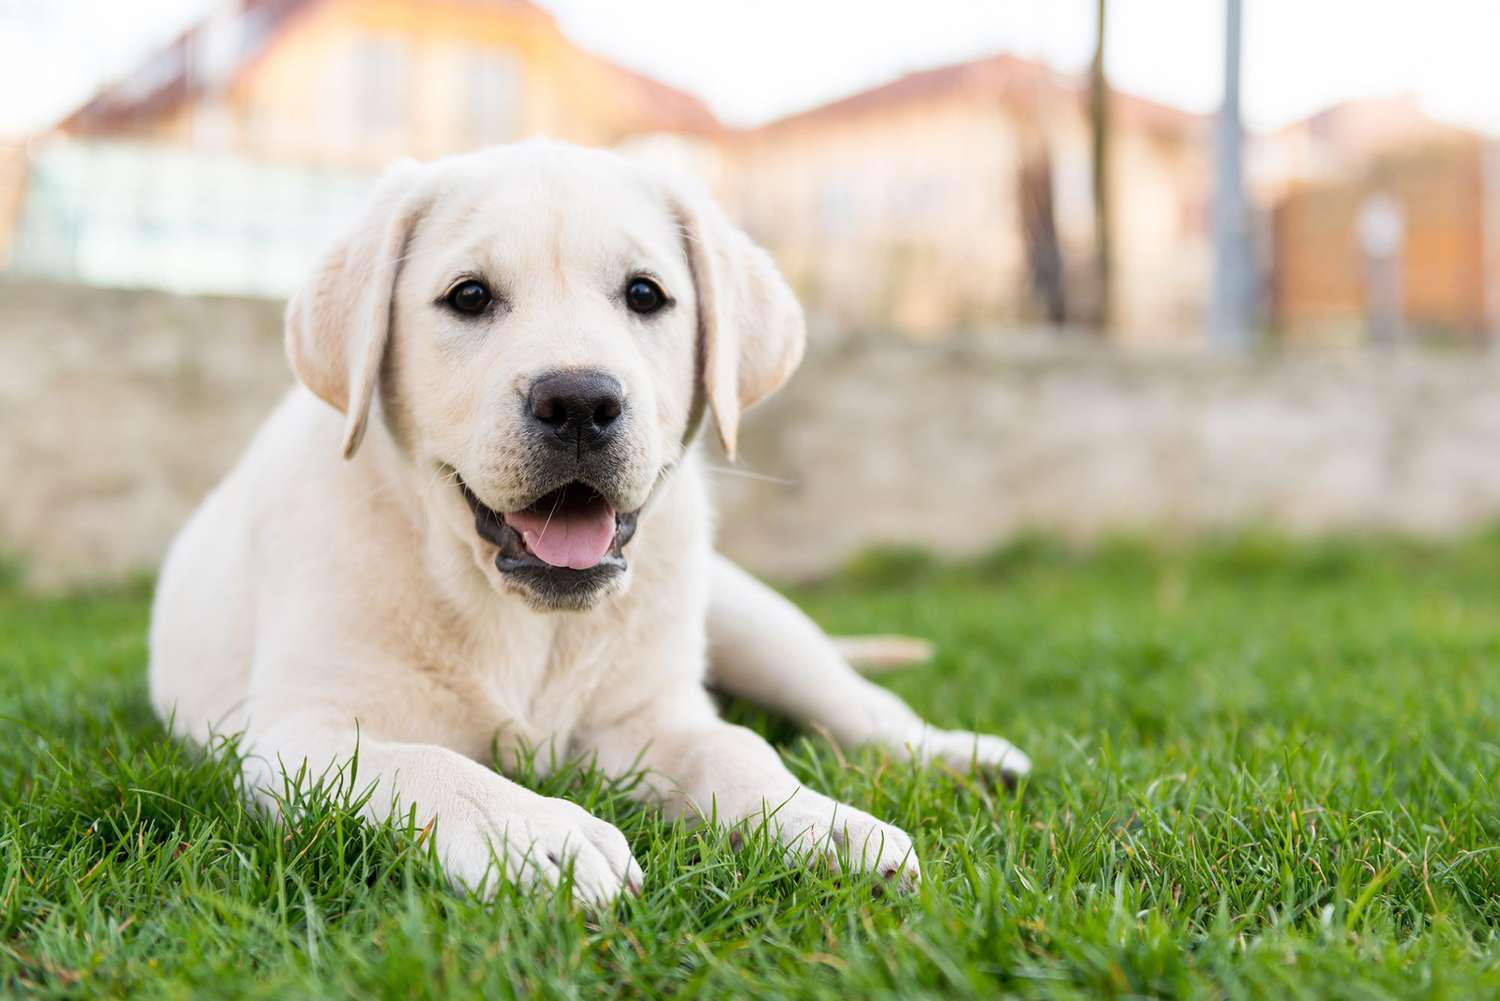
x=119, y=409
x=957, y=446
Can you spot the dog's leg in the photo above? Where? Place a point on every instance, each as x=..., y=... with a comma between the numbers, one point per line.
x=482, y=818
x=695, y=765
x=762, y=647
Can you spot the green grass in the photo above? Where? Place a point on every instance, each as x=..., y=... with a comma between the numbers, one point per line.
x=1264, y=769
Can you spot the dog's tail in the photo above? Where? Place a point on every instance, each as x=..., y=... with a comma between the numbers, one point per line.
x=877, y=654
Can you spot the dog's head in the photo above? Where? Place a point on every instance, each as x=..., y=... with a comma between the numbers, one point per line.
x=540, y=328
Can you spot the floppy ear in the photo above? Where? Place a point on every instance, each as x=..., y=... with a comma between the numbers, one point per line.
x=338, y=322
x=750, y=325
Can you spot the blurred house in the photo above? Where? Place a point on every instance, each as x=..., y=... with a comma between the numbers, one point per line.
x=950, y=199
x=961, y=197
x=358, y=83
x=1338, y=141
x=1370, y=179
x=224, y=159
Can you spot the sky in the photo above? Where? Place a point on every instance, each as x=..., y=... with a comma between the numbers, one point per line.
x=754, y=60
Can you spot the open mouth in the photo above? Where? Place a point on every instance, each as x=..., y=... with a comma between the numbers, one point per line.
x=571, y=538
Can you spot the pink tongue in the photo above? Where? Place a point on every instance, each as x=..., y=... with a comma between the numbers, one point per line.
x=576, y=535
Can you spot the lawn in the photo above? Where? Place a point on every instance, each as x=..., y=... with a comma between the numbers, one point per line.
x=1263, y=769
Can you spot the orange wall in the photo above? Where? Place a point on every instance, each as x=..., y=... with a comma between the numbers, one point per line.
x=1318, y=278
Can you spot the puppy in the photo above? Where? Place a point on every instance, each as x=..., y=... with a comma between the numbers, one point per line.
x=512, y=351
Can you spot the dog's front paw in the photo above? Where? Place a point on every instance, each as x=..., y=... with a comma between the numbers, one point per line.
x=535, y=843
x=963, y=750
x=815, y=828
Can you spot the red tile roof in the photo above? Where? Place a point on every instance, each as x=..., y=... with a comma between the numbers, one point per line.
x=1001, y=75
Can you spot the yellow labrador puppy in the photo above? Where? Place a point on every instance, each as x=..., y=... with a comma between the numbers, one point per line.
x=511, y=351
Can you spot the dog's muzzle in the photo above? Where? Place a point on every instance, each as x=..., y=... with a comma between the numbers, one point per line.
x=564, y=549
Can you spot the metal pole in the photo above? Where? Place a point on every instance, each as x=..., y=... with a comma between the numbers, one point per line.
x=1234, y=274
x=1099, y=126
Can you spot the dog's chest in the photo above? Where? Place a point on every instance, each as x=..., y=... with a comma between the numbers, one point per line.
x=521, y=688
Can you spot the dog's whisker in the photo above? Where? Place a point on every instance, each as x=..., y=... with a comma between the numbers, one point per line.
x=752, y=475
x=556, y=501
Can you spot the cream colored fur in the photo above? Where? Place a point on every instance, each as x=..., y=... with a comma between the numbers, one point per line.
x=314, y=603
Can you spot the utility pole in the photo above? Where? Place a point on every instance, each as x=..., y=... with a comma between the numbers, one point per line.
x=1234, y=272
x=1099, y=135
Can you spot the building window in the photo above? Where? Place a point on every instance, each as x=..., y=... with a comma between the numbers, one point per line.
x=837, y=208
x=491, y=85
x=381, y=84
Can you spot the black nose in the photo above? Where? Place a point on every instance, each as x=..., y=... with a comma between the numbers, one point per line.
x=579, y=409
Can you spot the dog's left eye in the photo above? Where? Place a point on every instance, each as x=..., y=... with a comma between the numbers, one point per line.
x=644, y=296
x=469, y=297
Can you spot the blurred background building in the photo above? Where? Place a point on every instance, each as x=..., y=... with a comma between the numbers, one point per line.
x=222, y=161
x=960, y=198
x=951, y=230
x=1440, y=186
x=949, y=199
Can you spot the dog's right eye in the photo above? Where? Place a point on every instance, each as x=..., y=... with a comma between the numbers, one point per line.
x=469, y=297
